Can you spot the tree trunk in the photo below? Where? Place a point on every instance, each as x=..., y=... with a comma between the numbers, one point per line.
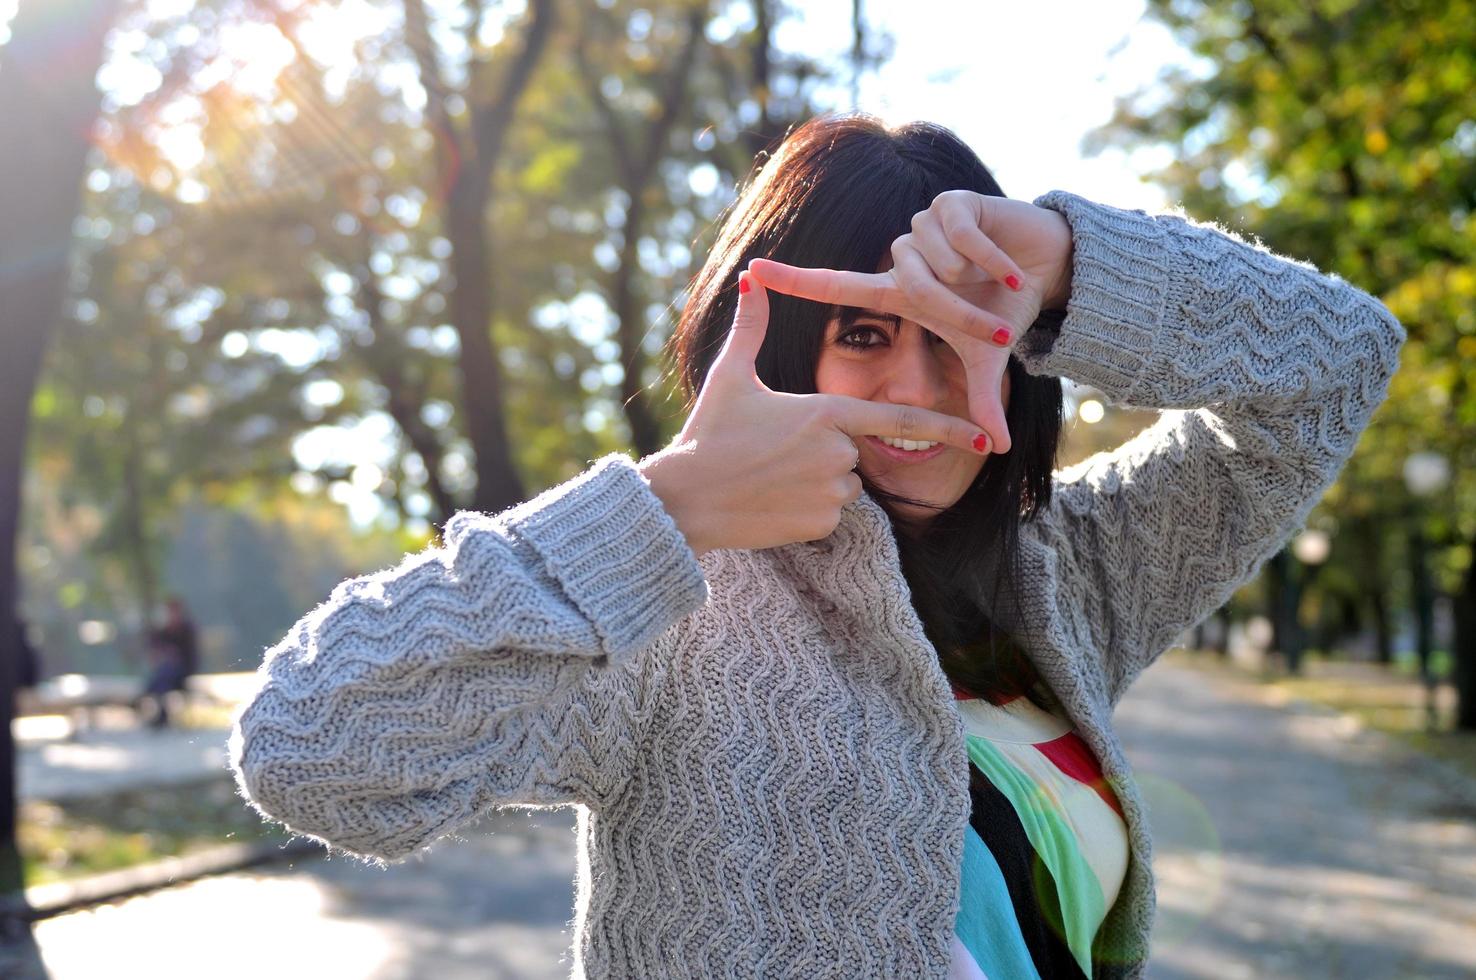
x=48, y=103
x=1378, y=604
x=1424, y=601
x=761, y=135
x=1222, y=638
x=638, y=155
x=1282, y=600
x=469, y=157
x=1370, y=537
x=482, y=393
x=145, y=588
x=1465, y=648
x=645, y=432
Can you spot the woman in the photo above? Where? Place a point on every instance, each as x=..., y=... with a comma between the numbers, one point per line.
x=816, y=731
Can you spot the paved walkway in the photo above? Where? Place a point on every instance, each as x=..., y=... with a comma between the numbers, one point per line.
x=491, y=906
x=1290, y=844
x=118, y=754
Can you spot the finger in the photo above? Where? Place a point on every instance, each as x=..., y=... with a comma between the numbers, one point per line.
x=857, y=417
x=847, y=453
x=966, y=239
x=939, y=308
x=874, y=291
x=947, y=263
x=746, y=338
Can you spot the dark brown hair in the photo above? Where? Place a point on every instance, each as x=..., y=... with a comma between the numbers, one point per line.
x=835, y=194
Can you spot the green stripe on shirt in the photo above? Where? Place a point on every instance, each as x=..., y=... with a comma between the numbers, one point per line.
x=1081, y=901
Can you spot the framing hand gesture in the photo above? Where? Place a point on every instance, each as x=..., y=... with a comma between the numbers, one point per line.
x=975, y=270
x=756, y=468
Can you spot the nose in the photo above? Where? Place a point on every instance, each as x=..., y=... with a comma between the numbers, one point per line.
x=914, y=372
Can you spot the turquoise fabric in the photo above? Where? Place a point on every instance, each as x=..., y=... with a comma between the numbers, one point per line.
x=986, y=922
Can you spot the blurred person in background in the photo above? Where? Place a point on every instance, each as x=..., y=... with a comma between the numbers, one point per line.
x=173, y=658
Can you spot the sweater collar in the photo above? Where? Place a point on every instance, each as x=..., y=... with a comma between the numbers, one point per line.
x=856, y=573
x=856, y=570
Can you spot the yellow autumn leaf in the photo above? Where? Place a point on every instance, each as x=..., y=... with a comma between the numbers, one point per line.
x=1462, y=281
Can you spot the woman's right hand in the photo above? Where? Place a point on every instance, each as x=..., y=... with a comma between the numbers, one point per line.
x=756, y=468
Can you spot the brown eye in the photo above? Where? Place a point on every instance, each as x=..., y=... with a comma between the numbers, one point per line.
x=860, y=338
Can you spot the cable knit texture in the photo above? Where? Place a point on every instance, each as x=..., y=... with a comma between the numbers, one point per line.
x=769, y=768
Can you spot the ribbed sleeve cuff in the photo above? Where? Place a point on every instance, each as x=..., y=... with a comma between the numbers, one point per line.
x=1120, y=277
x=605, y=537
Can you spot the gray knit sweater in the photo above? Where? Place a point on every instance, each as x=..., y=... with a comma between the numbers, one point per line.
x=769, y=768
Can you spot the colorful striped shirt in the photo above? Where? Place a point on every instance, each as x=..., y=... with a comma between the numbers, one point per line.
x=1046, y=849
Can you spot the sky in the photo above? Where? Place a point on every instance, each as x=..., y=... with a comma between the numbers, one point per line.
x=1005, y=76
x=1017, y=87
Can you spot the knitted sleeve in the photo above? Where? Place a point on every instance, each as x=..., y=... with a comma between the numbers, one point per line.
x=1265, y=370
x=510, y=665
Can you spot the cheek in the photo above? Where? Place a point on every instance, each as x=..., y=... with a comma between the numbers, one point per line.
x=824, y=374
x=835, y=376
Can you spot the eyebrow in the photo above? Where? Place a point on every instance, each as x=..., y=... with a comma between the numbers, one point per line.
x=849, y=315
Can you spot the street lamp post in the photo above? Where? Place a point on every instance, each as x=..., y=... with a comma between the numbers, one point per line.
x=1310, y=548
x=1425, y=474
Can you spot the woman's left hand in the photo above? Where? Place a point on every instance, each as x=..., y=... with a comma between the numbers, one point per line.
x=975, y=270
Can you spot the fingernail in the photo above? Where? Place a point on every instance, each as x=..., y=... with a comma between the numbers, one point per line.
x=981, y=443
x=1001, y=336
x=743, y=285
x=1013, y=281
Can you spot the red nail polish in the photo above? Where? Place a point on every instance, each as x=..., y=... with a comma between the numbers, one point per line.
x=743, y=285
x=1013, y=281
x=980, y=443
x=1001, y=336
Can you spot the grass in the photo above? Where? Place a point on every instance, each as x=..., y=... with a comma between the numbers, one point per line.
x=1388, y=699
x=69, y=839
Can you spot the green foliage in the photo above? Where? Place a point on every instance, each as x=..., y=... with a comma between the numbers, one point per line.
x=88, y=836
x=265, y=260
x=1343, y=132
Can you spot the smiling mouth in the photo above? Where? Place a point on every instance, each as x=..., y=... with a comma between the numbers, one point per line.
x=906, y=455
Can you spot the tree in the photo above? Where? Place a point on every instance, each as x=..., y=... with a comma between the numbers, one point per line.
x=639, y=145
x=308, y=207
x=1340, y=131
x=470, y=145
x=47, y=107
x=265, y=263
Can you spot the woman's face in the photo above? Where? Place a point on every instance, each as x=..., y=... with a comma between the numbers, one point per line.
x=880, y=358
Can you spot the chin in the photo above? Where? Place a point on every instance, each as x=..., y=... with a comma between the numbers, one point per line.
x=909, y=512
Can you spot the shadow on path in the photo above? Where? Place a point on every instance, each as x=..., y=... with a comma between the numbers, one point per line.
x=1292, y=844
x=1288, y=844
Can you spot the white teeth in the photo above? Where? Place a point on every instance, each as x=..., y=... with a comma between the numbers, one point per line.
x=909, y=444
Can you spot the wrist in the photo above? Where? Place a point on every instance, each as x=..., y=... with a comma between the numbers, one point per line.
x=1058, y=293
x=665, y=473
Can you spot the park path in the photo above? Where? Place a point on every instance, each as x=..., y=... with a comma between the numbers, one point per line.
x=1289, y=844
x=122, y=755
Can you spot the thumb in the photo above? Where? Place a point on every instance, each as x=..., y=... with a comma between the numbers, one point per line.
x=750, y=326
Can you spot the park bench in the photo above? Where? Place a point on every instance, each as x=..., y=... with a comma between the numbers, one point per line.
x=80, y=696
